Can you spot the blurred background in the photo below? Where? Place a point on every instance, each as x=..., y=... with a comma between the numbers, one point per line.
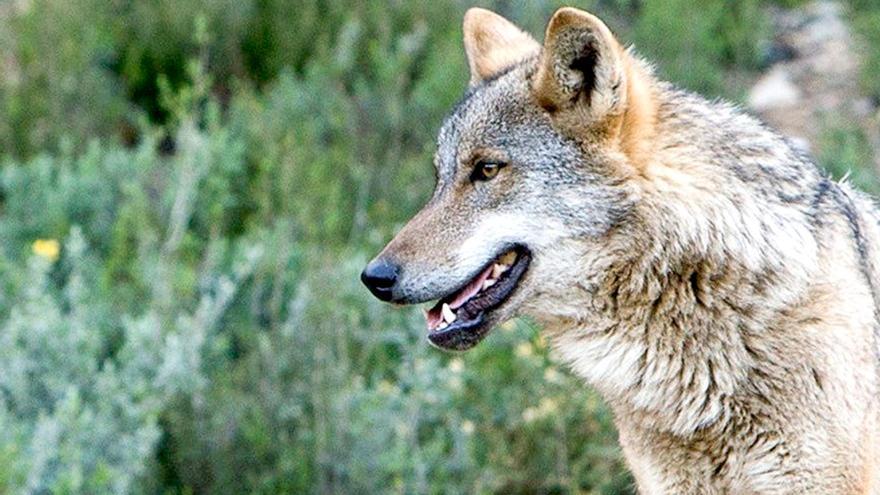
x=190, y=188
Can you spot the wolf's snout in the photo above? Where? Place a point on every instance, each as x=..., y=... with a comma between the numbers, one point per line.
x=380, y=276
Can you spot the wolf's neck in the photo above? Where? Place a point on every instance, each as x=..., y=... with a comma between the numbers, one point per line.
x=673, y=325
x=713, y=254
x=664, y=344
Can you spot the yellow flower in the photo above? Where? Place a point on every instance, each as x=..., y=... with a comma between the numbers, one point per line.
x=524, y=349
x=547, y=406
x=385, y=387
x=541, y=342
x=467, y=426
x=456, y=365
x=552, y=376
x=49, y=249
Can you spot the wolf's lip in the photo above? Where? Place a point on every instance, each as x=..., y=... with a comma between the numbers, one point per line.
x=471, y=305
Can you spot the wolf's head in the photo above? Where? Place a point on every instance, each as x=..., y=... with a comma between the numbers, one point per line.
x=534, y=171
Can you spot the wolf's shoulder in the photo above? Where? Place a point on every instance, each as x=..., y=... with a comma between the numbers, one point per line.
x=713, y=119
x=728, y=139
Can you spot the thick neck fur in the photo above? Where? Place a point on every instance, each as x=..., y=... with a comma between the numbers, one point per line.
x=674, y=330
x=714, y=317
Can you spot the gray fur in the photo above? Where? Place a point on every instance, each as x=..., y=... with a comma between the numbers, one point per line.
x=720, y=291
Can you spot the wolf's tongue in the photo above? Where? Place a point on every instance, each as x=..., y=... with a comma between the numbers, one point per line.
x=435, y=315
x=470, y=289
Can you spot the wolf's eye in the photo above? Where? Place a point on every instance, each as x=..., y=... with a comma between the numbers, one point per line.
x=486, y=170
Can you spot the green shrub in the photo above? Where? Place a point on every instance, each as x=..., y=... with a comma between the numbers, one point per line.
x=56, y=89
x=847, y=153
x=694, y=44
x=867, y=26
x=245, y=357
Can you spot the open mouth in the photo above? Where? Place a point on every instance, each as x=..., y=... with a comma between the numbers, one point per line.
x=461, y=320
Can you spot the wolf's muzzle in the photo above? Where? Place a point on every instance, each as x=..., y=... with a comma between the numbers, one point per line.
x=380, y=276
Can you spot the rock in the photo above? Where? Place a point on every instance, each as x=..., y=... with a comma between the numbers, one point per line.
x=813, y=80
x=774, y=89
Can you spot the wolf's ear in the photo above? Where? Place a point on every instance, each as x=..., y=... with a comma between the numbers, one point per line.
x=581, y=76
x=493, y=43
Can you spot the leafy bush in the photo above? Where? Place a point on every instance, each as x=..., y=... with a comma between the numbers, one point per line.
x=697, y=48
x=847, y=153
x=191, y=363
x=158, y=351
x=86, y=371
x=55, y=83
x=866, y=22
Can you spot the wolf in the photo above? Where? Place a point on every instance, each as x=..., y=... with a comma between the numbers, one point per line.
x=716, y=287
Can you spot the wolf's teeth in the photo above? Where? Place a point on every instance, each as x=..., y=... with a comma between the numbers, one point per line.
x=448, y=315
x=489, y=282
x=497, y=270
x=508, y=258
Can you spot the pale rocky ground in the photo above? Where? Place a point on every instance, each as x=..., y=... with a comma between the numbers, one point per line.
x=815, y=82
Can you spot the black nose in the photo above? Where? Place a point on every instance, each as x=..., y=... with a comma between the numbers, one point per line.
x=380, y=276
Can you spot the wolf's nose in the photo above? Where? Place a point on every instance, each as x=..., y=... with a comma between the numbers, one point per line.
x=380, y=276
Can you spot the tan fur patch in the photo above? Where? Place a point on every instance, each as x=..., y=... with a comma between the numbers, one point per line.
x=637, y=125
x=550, y=88
x=620, y=105
x=492, y=43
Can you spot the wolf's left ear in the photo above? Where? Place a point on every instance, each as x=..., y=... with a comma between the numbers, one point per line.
x=581, y=76
x=493, y=43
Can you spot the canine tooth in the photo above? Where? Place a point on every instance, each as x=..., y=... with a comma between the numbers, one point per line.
x=448, y=315
x=497, y=270
x=508, y=258
x=489, y=282
x=443, y=325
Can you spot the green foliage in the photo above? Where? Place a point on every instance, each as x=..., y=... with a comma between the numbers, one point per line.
x=252, y=362
x=217, y=173
x=54, y=77
x=866, y=23
x=694, y=41
x=791, y=4
x=847, y=153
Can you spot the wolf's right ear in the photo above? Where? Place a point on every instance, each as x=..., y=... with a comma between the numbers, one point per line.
x=581, y=76
x=492, y=43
